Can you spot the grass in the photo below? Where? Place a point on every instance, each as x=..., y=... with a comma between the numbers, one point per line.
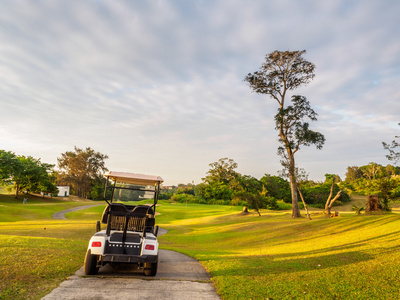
x=249, y=257
x=273, y=256
x=37, y=252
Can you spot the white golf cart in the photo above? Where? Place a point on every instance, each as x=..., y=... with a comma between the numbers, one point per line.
x=131, y=235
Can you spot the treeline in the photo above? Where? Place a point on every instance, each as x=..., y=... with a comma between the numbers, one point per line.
x=81, y=169
x=374, y=179
x=223, y=185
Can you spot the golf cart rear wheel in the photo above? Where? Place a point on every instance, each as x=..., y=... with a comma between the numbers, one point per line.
x=150, y=269
x=90, y=265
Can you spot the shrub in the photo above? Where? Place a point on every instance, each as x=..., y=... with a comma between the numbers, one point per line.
x=281, y=205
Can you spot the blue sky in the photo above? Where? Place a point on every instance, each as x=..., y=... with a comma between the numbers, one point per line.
x=158, y=85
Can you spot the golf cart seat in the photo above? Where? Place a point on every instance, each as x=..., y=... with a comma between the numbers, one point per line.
x=135, y=218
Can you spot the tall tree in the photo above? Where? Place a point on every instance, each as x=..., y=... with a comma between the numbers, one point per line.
x=393, y=155
x=284, y=71
x=81, y=169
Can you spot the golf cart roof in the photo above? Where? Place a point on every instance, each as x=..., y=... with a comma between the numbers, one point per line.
x=132, y=178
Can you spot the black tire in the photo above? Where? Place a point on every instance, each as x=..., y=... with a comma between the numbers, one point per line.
x=90, y=265
x=151, y=270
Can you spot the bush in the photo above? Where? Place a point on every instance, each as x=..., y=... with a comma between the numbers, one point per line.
x=238, y=202
x=281, y=205
x=187, y=198
x=269, y=203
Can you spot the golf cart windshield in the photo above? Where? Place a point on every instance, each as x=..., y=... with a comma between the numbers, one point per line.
x=131, y=187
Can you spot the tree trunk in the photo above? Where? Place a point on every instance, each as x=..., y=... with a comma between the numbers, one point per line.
x=293, y=186
x=16, y=190
x=295, y=201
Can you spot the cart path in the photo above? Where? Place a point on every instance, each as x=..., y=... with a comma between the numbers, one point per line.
x=60, y=215
x=178, y=277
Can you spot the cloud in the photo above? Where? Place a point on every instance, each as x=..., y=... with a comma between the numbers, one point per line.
x=158, y=85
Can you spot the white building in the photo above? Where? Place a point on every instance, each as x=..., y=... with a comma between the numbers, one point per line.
x=63, y=190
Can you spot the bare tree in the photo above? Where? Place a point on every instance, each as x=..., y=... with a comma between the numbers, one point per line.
x=330, y=200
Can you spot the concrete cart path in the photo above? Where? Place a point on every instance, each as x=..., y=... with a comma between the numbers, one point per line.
x=178, y=277
x=60, y=215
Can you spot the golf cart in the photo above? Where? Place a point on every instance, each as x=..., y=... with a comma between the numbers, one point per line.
x=131, y=235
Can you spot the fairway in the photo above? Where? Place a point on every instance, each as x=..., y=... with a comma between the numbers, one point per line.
x=274, y=256
x=248, y=257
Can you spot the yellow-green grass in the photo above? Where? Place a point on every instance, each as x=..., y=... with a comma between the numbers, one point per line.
x=36, y=252
x=12, y=209
x=274, y=256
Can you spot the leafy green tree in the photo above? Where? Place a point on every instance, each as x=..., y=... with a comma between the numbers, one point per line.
x=385, y=187
x=353, y=173
x=81, y=169
x=219, y=180
x=372, y=171
x=277, y=187
x=10, y=166
x=282, y=72
x=214, y=191
x=247, y=190
x=254, y=193
x=34, y=176
x=26, y=173
x=222, y=171
x=392, y=170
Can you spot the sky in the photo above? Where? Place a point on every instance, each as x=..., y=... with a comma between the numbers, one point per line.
x=158, y=85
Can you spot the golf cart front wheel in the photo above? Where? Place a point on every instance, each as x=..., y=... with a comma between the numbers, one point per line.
x=90, y=265
x=150, y=269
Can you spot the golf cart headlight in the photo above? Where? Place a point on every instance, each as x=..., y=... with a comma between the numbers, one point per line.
x=96, y=244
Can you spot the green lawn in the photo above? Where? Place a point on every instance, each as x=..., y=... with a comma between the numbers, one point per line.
x=37, y=252
x=249, y=257
x=273, y=256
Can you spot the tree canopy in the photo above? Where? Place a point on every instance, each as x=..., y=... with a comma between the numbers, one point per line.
x=82, y=169
x=26, y=173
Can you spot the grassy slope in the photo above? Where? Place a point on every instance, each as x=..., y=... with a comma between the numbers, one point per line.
x=249, y=257
x=37, y=252
x=273, y=256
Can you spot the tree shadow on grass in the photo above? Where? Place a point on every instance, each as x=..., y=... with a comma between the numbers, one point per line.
x=288, y=263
